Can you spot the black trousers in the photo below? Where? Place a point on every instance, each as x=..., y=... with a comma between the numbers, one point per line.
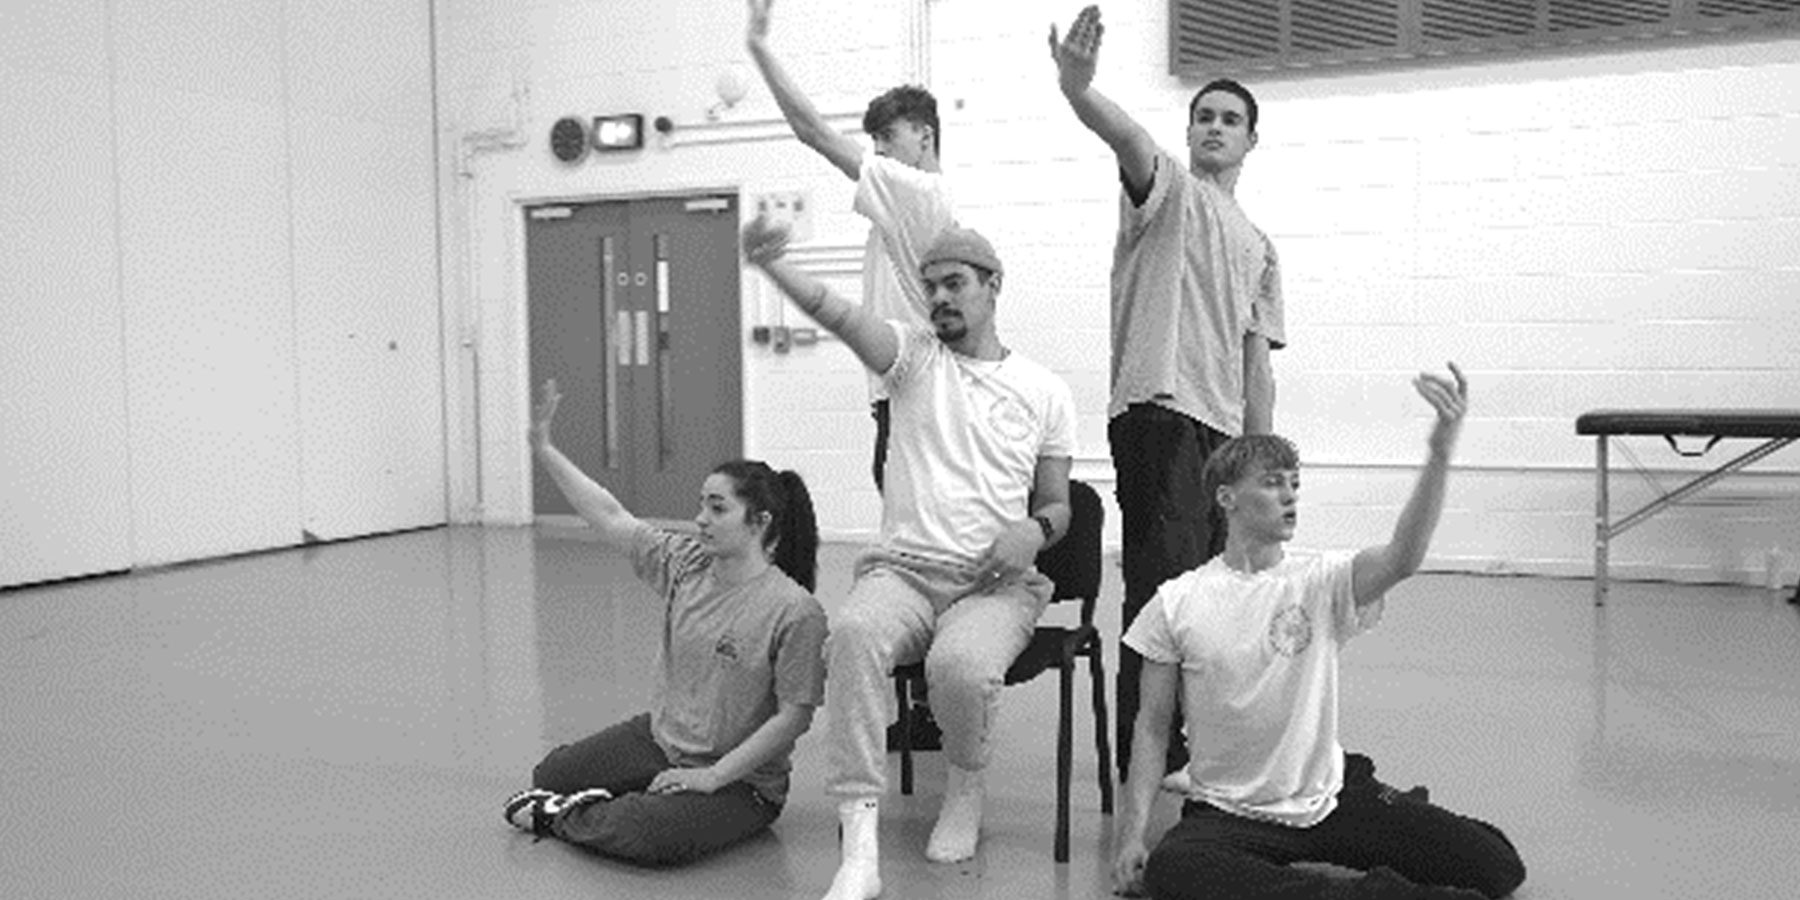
x=640, y=828
x=1407, y=849
x=1167, y=528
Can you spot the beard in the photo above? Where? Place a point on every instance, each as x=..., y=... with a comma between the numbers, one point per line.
x=950, y=326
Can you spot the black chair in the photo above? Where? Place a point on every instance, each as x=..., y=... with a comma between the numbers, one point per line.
x=1074, y=565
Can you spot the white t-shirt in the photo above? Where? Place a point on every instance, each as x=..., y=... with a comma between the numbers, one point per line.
x=1192, y=275
x=1259, y=679
x=966, y=438
x=907, y=208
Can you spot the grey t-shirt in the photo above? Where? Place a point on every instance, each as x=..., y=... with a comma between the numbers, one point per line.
x=1191, y=277
x=730, y=655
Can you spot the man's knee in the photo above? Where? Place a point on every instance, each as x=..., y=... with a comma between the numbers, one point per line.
x=1503, y=872
x=1179, y=869
x=963, y=670
x=855, y=631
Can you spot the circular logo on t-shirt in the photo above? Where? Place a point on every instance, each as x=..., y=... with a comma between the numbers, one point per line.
x=1010, y=419
x=1290, y=632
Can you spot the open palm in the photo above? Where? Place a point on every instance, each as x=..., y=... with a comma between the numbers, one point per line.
x=1078, y=52
x=544, y=413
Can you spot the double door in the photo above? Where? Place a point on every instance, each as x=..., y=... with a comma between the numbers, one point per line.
x=634, y=310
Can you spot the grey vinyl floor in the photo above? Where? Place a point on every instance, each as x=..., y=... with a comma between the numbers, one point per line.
x=345, y=720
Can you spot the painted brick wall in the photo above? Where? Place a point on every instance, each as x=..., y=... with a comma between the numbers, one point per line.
x=1619, y=228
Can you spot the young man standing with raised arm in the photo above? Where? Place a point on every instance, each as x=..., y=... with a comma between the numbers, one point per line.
x=1196, y=308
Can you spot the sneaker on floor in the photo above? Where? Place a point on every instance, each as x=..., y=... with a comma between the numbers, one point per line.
x=527, y=810
x=581, y=798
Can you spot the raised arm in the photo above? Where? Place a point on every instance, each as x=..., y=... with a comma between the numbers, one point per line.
x=1379, y=568
x=870, y=338
x=1076, y=56
x=809, y=126
x=594, y=503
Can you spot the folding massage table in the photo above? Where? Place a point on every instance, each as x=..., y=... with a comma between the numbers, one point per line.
x=1777, y=428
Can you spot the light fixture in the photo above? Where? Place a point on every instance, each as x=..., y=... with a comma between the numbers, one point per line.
x=731, y=87
x=623, y=132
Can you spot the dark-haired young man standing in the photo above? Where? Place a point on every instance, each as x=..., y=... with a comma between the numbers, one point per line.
x=900, y=189
x=1196, y=308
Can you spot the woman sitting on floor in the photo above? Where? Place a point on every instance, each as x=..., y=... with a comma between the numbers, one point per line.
x=742, y=671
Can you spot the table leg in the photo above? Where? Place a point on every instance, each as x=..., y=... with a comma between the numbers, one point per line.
x=1601, y=529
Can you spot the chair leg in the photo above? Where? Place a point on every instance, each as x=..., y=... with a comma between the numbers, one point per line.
x=1065, y=741
x=903, y=696
x=1102, y=732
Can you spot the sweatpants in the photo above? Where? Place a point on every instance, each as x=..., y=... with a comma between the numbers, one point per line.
x=902, y=609
x=646, y=829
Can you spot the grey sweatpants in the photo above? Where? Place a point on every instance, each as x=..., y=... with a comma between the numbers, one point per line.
x=903, y=609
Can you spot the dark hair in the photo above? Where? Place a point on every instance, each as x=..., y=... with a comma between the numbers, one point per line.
x=1239, y=456
x=793, y=531
x=910, y=102
x=1229, y=87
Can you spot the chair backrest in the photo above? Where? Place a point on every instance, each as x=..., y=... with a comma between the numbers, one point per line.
x=1073, y=563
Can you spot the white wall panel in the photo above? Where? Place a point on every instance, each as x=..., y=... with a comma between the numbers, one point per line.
x=371, y=62
x=209, y=322
x=63, y=36
x=220, y=48
x=64, y=500
x=369, y=354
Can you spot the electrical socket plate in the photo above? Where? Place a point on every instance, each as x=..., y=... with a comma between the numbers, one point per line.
x=790, y=208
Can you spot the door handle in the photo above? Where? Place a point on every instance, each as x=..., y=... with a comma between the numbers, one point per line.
x=665, y=410
x=611, y=351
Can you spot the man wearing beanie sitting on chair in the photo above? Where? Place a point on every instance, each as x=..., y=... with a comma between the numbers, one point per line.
x=977, y=484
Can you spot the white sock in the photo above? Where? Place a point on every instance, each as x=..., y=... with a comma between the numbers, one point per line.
x=958, y=827
x=1178, y=782
x=859, y=872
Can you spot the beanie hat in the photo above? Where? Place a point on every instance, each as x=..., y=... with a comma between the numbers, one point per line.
x=961, y=245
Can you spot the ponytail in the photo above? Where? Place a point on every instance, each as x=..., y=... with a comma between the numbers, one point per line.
x=797, y=545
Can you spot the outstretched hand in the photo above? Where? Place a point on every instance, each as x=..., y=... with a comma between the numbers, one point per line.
x=1077, y=53
x=543, y=414
x=759, y=20
x=1451, y=400
x=764, y=241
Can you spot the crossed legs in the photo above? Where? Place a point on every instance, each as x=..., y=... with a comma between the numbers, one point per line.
x=1407, y=850
x=650, y=830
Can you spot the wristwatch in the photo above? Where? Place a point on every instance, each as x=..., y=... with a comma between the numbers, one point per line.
x=1044, y=523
